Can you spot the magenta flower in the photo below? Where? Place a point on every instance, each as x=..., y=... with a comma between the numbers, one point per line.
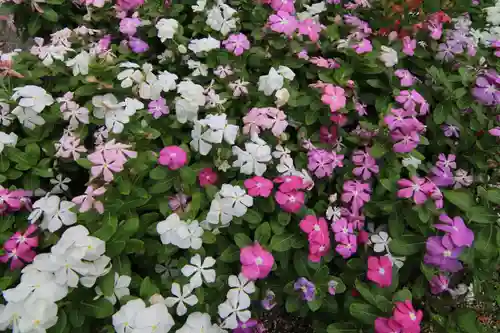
x=411, y=99
x=283, y=22
x=310, y=28
x=256, y=262
x=418, y=188
x=407, y=78
x=334, y=97
x=174, y=157
x=319, y=245
x=360, y=108
x=406, y=316
x=207, y=177
x=13, y=201
x=441, y=252
x=126, y=5
x=87, y=201
x=323, y=162
x=328, y=134
x=347, y=248
x=442, y=176
x=342, y=230
x=29, y=238
x=158, y=108
x=409, y=45
x=269, y=301
x=356, y=193
x=439, y=283
x=458, y=232
x=365, y=165
x=380, y=271
x=406, y=140
x=387, y=325
x=129, y=25
x=138, y=45
x=401, y=118
x=306, y=287
x=259, y=186
x=289, y=183
x=246, y=327
x=303, y=55
x=237, y=43
x=446, y=161
x=103, y=44
x=364, y=46
x=283, y=5
x=486, y=91
x=18, y=256
x=290, y=202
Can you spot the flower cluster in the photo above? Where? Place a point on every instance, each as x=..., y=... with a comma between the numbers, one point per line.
x=317, y=235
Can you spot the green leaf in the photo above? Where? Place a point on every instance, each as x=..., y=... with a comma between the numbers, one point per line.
x=365, y=292
x=108, y=228
x=460, y=198
x=101, y=308
x=107, y=283
x=134, y=246
x=242, y=240
x=466, y=320
x=230, y=254
x=127, y=229
x=292, y=304
x=161, y=186
x=84, y=163
x=366, y=313
x=263, y=233
x=402, y=295
x=311, y=116
x=158, y=173
x=62, y=322
x=378, y=150
x=492, y=195
x=49, y=14
x=147, y=289
x=396, y=223
x=315, y=305
x=188, y=175
x=407, y=245
x=481, y=214
x=76, y=318
x=252, y=216
x=32, y=153
x=284, y=218
x=341, y=328
x=282, y=242
x=300, y=264
x=33, y=26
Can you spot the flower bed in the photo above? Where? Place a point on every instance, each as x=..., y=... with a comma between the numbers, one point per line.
x=186, y=166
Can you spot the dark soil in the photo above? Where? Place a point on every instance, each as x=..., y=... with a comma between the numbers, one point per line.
x=277, y=321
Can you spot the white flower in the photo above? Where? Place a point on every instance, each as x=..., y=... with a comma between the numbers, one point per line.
x=166, y=28
x=253, y=159
x=380, y=241
x=66, y=269
x=312, y=10
x=181, y=298
x=198, y=142
x=124, y=319
x=281, y=151
x=198, y=322
x=28, y=117
x=233, y=310
x=286, y=72
x=80, y=63
x=199, y=69
x=235, y=200
x=218, y=213
x=197, y=270
x=411, y=160
x=192, y=92
x=333, y=213
x=5, y=117
x=97, y=268
x=38, y=316
x=130, y=75
x=167, y=81
x=388, y=56
x=240, y=288
x=223, y=71
x=56, y=213
x=200, y=6
x=136, y=317
x=239, y=87
x=271, y=82
x=185, y=110
x=11, y=314
x=9, y=140
x=282, y=97
x=192, y=238
x=213, y=99
x=396, y=261
x=204, y=44
x=32, y=97
x=115, y=114
x=220, y=18
x=120, y=288
x=171, y=229
x=219, y=129
x=36, y=285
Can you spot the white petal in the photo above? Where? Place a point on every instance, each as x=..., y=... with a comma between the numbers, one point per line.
x=196, y=281
x=188, y=270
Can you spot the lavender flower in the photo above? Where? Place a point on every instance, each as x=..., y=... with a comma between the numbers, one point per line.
x=158, y=108
x=456, y=230
x=462, y=178
x=306, y=287
x=332, y=287
x=441, y=252
x=486, y=91
x=269, y=300
x=451, y=131
x=138, y=45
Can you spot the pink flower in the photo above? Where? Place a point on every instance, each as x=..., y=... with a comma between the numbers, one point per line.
x=303, y=55
x=386, y=325
x=252, y=121
x=207, y=177
x=29, y=238
x=348, y=248
x=256, y=262
x=320, y=246
x=495, y=131
x=356, y=193
x=290, y=202
x=365, y=165
x=406, y=140
x=323, y=162
x=310, y=28
x=380, y=271
x=283, y=22
x=409, y=46
x=362, y=47
x=289, y=183
x=18, y=256
x=407, y=79
x=259, y=186
x=439, y=283
x=410, y=99
x=275, y=120
x=173, y=157
x=13, y=201
x=406, y=316
x=283, y=5
x=311, y=225
x=129, y=4
x=128, y=25
x=418, y=188
x=104, y=166
x=334, y=97
x=237, y=43
x=87, y=200
x=158, y=108
x=342, y=230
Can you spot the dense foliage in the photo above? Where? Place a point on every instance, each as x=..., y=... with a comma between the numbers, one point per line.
x=185, y=166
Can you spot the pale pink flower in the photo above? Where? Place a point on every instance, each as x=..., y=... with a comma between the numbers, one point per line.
x=407, y=78
x=310, y=28
x=87, y=201
x=237, y=43
x=409, y=45
x=283, y=22
x=334, y=96
x=104, y=166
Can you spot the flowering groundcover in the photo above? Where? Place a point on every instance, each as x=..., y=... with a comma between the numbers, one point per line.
x=185, y=166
